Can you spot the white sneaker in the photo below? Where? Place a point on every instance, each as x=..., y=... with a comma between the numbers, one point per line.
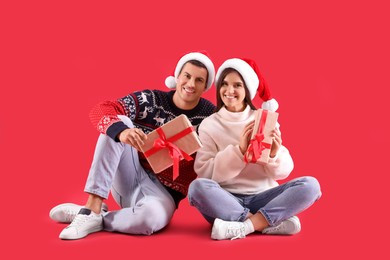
x=85, y=222
x=290, y=226
x=66, y=212
x=227, y=229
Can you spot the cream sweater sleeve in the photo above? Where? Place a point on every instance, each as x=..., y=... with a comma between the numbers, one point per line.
x=280, y=167
x=217, y=165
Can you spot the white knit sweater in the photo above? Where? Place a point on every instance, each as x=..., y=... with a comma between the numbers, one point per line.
x=220, y=158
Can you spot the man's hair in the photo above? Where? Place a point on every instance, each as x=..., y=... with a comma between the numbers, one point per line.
x=220, y=103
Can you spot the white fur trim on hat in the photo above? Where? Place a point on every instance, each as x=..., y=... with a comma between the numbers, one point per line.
x=170, y=81
x=246, y=71
x=271, y=105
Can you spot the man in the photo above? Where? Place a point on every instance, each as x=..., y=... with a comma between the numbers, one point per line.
x=147, y=200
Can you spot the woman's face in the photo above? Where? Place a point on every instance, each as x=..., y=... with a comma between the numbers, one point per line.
x=232, y=92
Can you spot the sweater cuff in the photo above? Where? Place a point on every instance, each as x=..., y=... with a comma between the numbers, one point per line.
x=273, y=160
x=115, y=129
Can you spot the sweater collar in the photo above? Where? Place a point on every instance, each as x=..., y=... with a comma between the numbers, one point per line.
x=235, y=116
x=188, y=113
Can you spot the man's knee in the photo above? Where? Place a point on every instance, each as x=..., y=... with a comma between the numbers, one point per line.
x=156, y=216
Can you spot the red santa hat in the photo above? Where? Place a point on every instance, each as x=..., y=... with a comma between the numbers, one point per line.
x=201, y=56
x=253, y=80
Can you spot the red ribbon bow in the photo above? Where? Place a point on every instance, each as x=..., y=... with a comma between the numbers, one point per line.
x=256, y=145
x=174, y=152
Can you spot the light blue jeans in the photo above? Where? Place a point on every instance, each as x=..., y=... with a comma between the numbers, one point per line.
x=276, y=204
x=146, y=206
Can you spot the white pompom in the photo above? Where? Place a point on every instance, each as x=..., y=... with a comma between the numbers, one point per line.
x=271, y=105
x=170, y=82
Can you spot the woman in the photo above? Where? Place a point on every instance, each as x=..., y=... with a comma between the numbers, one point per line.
x=238, y=197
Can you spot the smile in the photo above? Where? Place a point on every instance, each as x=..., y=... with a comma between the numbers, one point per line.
x=230, y=97
x=189, y=90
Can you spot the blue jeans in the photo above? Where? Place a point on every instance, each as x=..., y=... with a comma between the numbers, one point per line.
x=146, y=206
x=275, y=204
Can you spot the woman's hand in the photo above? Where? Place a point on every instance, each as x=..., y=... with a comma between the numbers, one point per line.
x=134, y=137
x=276, y=142
x=246, y=136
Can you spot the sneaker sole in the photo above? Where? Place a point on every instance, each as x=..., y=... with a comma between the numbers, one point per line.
x=81, y=235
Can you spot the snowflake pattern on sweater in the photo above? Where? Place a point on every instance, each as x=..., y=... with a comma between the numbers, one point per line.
x=148, y=110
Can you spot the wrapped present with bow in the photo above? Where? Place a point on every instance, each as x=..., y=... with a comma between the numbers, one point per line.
x=260, y=144
x=170, y=143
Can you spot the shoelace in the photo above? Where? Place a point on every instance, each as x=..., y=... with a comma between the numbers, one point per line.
x=235, y=232
x=70, y=215
x=79, y=220
x=273, y=229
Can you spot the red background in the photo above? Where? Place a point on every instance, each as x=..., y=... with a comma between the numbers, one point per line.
x=327, y=64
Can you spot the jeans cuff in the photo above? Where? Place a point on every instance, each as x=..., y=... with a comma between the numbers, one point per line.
x=100, y=194
x=266, y=216
x=243, y=216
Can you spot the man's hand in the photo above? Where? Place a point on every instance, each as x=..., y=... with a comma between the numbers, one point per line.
x=134, y=137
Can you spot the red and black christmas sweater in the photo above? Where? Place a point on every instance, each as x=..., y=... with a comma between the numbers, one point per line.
x=148, y=110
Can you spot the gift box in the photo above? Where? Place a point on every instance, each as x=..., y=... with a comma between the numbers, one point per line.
x=260, y=144
x=167, y=145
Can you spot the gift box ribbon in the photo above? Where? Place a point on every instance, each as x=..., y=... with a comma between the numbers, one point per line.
x=174, y=152
x=256, y=145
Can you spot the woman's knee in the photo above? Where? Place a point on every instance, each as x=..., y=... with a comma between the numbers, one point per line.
x=199, y=187
x=312, y=186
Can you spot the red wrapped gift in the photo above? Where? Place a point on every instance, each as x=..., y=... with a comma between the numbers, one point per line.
x=170, y=143
x=260, y=144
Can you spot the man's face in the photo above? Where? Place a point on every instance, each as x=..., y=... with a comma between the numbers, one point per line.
x=191, y=83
